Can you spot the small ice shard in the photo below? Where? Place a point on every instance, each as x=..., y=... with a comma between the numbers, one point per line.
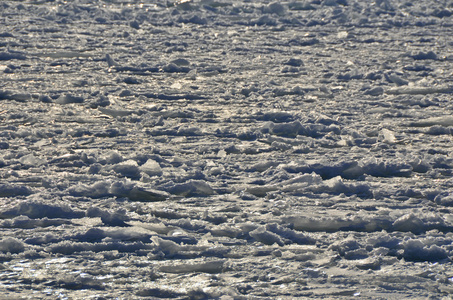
x=294, y=62
x=393, y=78
x=110, y=61
x=151, y=167
x=144, y=194
x=371, y=263
x=389, y=136
x=173, y=68
x=343, y=34
x=376, y=91
x=33, y=161
x=166, y=246
x=180, y=62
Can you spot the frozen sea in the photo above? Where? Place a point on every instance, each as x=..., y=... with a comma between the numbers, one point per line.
x=233, y=149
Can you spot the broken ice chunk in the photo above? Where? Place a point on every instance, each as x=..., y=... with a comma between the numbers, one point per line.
x=151, y=167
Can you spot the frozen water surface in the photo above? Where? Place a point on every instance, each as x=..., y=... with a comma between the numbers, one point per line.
x=226, y=149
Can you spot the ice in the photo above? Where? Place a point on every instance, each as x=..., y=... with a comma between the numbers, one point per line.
x=8, y=55
x=394, y=78
x=158, y=293
x=414, y=90
x=274, y=8
x=417, y=250
x=440, y=121
x=126, y=234
x=39, y=210
x=43, y=239
x=127, y=168
x=96, y=190
x=192, y=188
x=11, y=245
x=226, y=149
x=27, y=223
x=379, y=168
x=111, y=157
x=14, y=190
x=116, y=218
x=445, y=200
x=266, y=237
x=424, y=55
x=408, y=222
x=215, y=266
x=338, y=186
x=68, y=247
x=289, y=235
x=134, y=191
x=31, y=160
x=389, y=136
x=284, y=129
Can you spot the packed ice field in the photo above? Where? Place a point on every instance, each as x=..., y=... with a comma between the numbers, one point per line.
x=226, y=149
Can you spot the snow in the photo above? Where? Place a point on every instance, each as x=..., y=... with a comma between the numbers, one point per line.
x=232, y=149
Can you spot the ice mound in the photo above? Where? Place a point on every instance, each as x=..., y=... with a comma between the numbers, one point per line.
x=423, y=250
x=311, y=183
x=353, y=169
x=331, y=224
x=133, y=190
x=151, y=167
x=11, y=245
x=345, y=246
x=191, y=188
x=14, y=190
x=266, y=237
x=276, y=234
x=26, y=223
x=295, y=128
x=31, y=160
x=38, y=210
x=131, y=234
x=337, y=185
x=116, y=218
x=444, y=199
x=127, y=168
x=69, y=247
x=410, y=223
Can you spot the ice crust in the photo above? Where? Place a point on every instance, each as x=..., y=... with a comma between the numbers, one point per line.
x=226, y=149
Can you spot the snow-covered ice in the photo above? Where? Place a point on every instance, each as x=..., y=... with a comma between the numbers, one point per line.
x=232, y=149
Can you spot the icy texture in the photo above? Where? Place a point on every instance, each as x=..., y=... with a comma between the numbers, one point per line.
x=232, y=149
